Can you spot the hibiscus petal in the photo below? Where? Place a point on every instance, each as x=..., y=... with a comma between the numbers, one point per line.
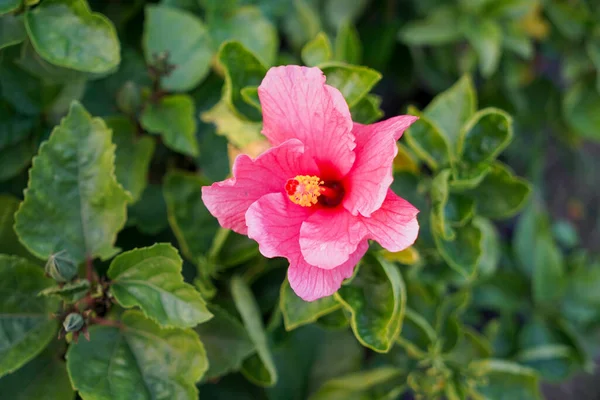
x=371, y=175
x=274, y=222
x=229, y=200
x=296, y=103
x=311, y=283
x=329, y=236
x=394, y=226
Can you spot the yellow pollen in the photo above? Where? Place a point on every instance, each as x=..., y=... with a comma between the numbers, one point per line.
x=304, y=190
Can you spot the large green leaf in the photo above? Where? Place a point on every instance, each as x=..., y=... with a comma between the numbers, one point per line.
x=500, y=194
x=68, y=34
x=367, y=110
x=9, y=242
x=73, y=201
x=317, y=51
x=151, y=279
x=485, y=135
x=464, y=251
x=242, y=69
x=132, y=156
x=227, y=342
x=173, y=117
x=357, y=386
x=191, y=222
x=259, y=368
x=138, y=361
x=43, y=378
x=7, y=6
x=12, y=30
x=376, y=298
x=485, y=35
x=506, y=380
x=297, y=312
x=16, y=144
x=427, y=141
x=353, y=81
x=451, y=109
x=184, y=39
x=24, y=318
x=239, y=132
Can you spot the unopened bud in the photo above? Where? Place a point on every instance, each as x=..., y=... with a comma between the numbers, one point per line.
x=73, y=322
x=60, y=267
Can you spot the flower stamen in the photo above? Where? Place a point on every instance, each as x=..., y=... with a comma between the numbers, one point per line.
x=304, y=190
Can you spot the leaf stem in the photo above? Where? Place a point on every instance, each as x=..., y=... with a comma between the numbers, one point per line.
x=106, y=322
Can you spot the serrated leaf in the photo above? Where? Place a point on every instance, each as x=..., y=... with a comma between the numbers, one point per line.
x=150, y=278
x=367, y=110
x=189, y=218
x=464, y=251
x=376, y=298
x=73, y=201
x=43, y=378
x=67, y=33
x=259, y=368
x=173, y=117
x=500, y=194
x=184, y=39
x=427, y=141
x=352, y=80
x=451, y=109
x=347, y=44
x=227, y=342
x=70, y=292
x=24, y=318
x=9, y=242
x=505, y=379
x=485, y=136
x=140, y=361
x=355, y=386
x=242, y=68
x=132, y=156
x=297, y=312
x=317, y=51
x=12, y=30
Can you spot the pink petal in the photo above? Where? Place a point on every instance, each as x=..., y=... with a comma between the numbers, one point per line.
x=229, y=200
x=296, y=103
x=329, y=236
x=371, y=175
x=274, y=222
x=394, y=225
x=312, y=283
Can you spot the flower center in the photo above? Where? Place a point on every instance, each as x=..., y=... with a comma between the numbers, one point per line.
x=308, y=190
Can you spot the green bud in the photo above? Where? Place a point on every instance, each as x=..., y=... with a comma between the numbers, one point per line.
x=73, y=322
x=60, y=267
x=129, y=98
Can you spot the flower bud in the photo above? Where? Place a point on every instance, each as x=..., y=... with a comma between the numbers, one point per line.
x=60, y=267
x=129, y=98
x=73, y=322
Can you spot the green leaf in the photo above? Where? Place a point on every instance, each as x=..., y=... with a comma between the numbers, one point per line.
x=43, y=378
x=376, y=298
x=173, y=117
x=417, y=334
x=33, y=63
x=149, y=214
x=427, y=141
x=12, y=30
x=500, y=194
x=506, y=380
x=485, y=136
x=184, y=39
x=580, y=108
x=367, y=110
x=250, y=96
x=7, y=6
x=242, y=69
x=439, y=199
x=347, y=44
x=451, y=109
x=24, y=318
x=151, y=279
x=302, y=23
x=317, y=51
x=259, y=368
x=464, y=252
x=16, y=144
x=353, y=81
x=191, y=222
x=67, y=33
x=339, y=12
x=73, y=201
x=70, y=292
x=466, y=177
x=140, y=361
x=227, y=343
x=248, y=26
x=485, y=35
x=490, y=244
x=132, y=156
x=238, y=132
x=9, y=242
x=357, y=385
x=297, y=312
x=440, y=27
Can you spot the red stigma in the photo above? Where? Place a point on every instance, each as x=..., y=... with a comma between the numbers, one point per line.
x=290, y=186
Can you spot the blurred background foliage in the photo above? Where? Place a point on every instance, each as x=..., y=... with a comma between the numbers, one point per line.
x=501, y=290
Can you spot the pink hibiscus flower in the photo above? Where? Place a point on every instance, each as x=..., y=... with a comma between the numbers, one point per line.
x=322, y=191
